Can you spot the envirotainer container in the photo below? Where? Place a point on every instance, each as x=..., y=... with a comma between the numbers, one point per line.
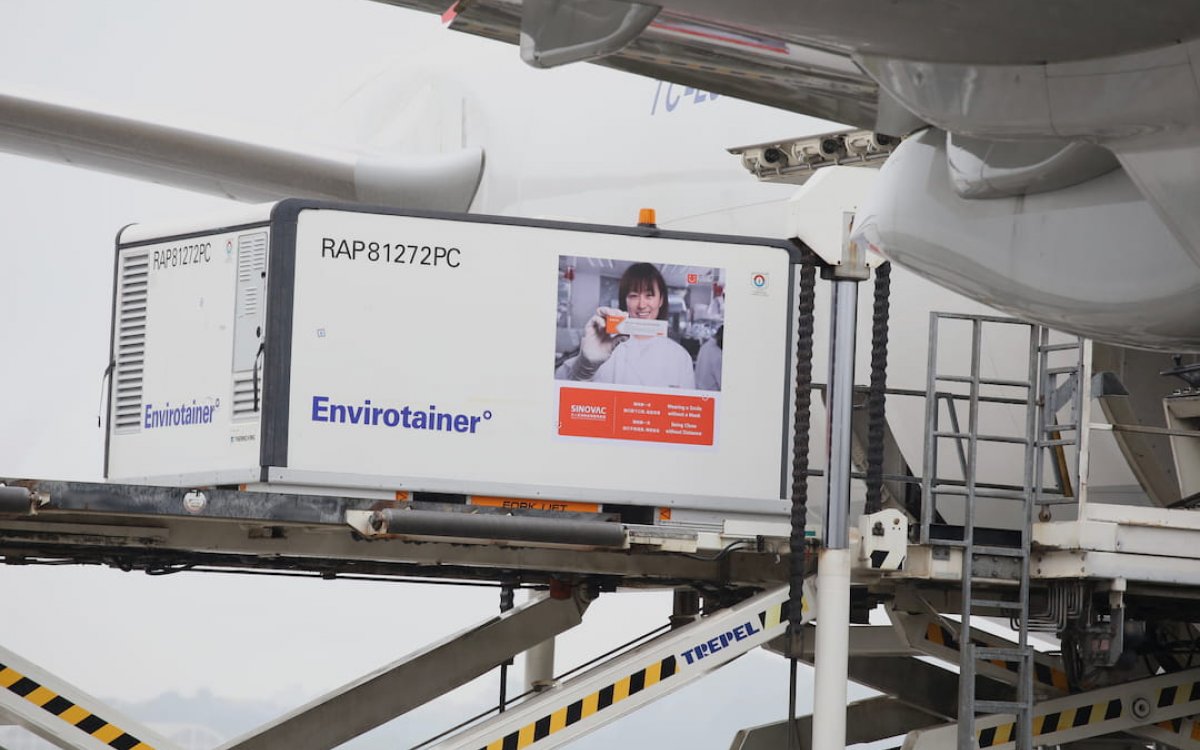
x=346, y=348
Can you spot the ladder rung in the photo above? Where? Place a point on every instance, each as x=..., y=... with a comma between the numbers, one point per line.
x=983, y=381
x=1057, y=500
x=982, y=438
x=999, y=653
x=1058, y=347
x=1060, y=427
x=1069, y=370
x=1056, y=443
x=956, y=543
x=998, y=604
x=993, y=494
x=1000, y=495
x=999, y=551
x=1000, y=707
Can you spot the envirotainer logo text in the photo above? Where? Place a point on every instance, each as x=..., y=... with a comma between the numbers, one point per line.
x=367, y=414
x=184, y=415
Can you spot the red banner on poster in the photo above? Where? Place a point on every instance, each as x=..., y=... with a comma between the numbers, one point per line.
x=622, y=415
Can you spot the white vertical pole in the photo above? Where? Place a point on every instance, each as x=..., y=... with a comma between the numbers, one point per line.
x=538, y=660
x=1084, y=420
x=832, y=648
x=539, y=666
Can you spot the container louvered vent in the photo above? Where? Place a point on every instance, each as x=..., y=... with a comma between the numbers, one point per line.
x=243, y=394
x=252, y=263
x=248, y=322
x=130, y=341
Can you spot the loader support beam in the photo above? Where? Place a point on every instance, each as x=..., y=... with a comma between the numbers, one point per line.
x=866, y=721
x=1121, y=708
x=414, y=680
x=621, y=685
x=64, y=715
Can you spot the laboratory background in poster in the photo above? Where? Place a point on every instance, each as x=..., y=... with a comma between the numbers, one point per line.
x=639, y=350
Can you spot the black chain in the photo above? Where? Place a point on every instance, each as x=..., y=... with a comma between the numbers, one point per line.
x=876, y=395
x=800, y=431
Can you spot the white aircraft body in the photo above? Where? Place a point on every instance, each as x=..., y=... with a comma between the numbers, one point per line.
x=1057, y=172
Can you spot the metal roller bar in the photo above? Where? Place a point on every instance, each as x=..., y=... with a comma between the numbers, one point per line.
x=405, y=522
x=14, y=500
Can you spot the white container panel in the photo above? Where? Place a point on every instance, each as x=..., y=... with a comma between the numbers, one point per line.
x=190, y=426
x=389, y=330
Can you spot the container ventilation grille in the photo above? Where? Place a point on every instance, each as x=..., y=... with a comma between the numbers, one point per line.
x=243, y=395
x=130, y=342
x=248, y=321
x=252, y=263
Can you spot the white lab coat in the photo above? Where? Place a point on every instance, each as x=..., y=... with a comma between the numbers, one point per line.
x=708, y=366
x=657, y=362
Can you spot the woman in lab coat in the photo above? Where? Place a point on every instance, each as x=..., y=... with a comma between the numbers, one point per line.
x=650, y=360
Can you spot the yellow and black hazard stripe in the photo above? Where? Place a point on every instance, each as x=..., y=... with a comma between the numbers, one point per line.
x=777, y=613
x=612, y=694
x=1173, y=695
x=1042, y=673
x=1096, y=713
x=587, y=706
x=1178, y=726
x=65, y=709
x=1055, y=721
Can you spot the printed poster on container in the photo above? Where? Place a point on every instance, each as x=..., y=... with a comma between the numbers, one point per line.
x=639, y=350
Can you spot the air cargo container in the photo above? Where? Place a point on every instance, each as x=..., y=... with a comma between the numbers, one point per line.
x=350, y=349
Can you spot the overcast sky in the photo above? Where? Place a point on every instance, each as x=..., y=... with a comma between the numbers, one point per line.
x=274, y=64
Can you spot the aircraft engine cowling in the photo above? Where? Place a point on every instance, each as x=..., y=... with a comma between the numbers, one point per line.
x=1093, y=258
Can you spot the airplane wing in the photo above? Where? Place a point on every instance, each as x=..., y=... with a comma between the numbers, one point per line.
x=248, y=167
x=813, y=78
x=810, y=57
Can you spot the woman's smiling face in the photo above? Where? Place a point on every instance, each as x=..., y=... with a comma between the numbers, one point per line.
x=645, y=302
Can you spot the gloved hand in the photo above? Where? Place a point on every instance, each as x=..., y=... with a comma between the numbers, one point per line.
x=596, y=346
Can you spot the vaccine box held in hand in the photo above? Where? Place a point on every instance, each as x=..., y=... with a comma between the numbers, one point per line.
x=623, y=325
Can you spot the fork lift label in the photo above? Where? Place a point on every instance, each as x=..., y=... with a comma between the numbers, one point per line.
x=521, y=503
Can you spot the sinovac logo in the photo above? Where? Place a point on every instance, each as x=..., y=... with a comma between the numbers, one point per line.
x=183, y=415
x=589, y=411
